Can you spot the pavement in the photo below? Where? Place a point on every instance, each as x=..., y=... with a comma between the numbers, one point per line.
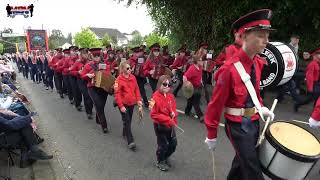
x=82, y=152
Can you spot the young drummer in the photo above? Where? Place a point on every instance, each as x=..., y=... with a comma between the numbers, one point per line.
x=194, y=76
x=231, y=95
x=127, y=95
x=164, y=116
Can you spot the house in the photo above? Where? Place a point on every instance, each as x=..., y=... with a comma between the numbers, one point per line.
x=100, y=32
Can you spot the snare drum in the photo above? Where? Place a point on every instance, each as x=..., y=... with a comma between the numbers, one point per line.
x=289, y=151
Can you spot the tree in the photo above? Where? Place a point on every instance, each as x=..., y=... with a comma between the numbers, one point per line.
x=156, y=38
x=136, y=40
x=194, y=21
x=56, y=39
x=1, y=48
x=86, y=39
x=69, y=38
x=106, y=40
x=114, y=40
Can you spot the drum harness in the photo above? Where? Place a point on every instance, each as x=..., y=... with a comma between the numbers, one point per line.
x=245, y=77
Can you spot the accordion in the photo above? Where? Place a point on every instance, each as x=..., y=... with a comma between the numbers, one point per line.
x=104, y=81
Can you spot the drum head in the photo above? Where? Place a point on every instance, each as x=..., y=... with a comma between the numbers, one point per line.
x=295, y=138
x=281, y=64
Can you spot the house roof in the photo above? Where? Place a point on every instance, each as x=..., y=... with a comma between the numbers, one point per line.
x=100, y=32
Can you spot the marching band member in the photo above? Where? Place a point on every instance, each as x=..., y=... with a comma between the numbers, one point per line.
x=59, y=69
x=64, y=67
x=57, y=74
x=25, y=65
x=49, y=71
x=177, y=67
x=40, y=59
x=137, y=61
x=229, y=50
x=75, y=71
x=127, y=95
x=33, y=66
x=116, y=63
x=168, y=59
x=77, y=97
x=206, y=76
x=230, y=94
x=312, y=80
x=194, y=76
x=153, y=68
x=98, y=95
x=164, y=116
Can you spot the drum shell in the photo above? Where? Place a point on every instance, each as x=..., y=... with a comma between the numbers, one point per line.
x=282, y=63
x=278, y=162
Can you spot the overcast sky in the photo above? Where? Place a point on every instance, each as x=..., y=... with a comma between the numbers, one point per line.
x=71, y=15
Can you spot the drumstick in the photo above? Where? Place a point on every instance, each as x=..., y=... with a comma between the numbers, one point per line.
x=213, y=165
x=261, y=137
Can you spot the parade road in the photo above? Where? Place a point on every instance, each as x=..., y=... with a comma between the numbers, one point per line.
x=85, y=153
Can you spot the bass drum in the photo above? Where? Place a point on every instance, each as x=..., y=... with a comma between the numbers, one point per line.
x=282, y=63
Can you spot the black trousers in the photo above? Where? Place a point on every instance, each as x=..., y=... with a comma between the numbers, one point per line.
x=25, y=72
x=206, y=77
x=24, y=136
x=127, y=119
x=75, y=91
x=66, y=83
x=180, y=78
x=245, y=165
x=99, y=99
x=38, y=76
x=194, y=102
x=49, y=78
x=88, y=104
x=153, y=84
x=33, y=74
x=166, y=140
x=58, y=82
x=141, y=82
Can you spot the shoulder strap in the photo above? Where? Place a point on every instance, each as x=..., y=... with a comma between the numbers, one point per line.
x=245, y=77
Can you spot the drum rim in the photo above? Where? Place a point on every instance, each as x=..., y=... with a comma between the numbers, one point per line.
x=282, y=149
x=269, y=173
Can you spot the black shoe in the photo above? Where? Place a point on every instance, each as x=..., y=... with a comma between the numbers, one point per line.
x=132, y=146
x=105, y=130
x=61, y=95
x=47, y=88
x=163, y=166
x=146, y=105
x=89, y=116
x=72, y=101
x=38, y=155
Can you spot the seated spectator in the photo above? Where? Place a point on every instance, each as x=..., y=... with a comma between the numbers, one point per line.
x=19, y=131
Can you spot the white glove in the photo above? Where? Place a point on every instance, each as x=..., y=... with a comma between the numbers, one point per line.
x=211, y=143
x=313, y=123
x=267, y=113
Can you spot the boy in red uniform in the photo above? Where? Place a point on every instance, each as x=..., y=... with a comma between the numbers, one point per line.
x=81, y=83
x=98, y=95
x=230, y=94
x=57, y=73
x=164, y=116
x=194, y=76
x=127, y=95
